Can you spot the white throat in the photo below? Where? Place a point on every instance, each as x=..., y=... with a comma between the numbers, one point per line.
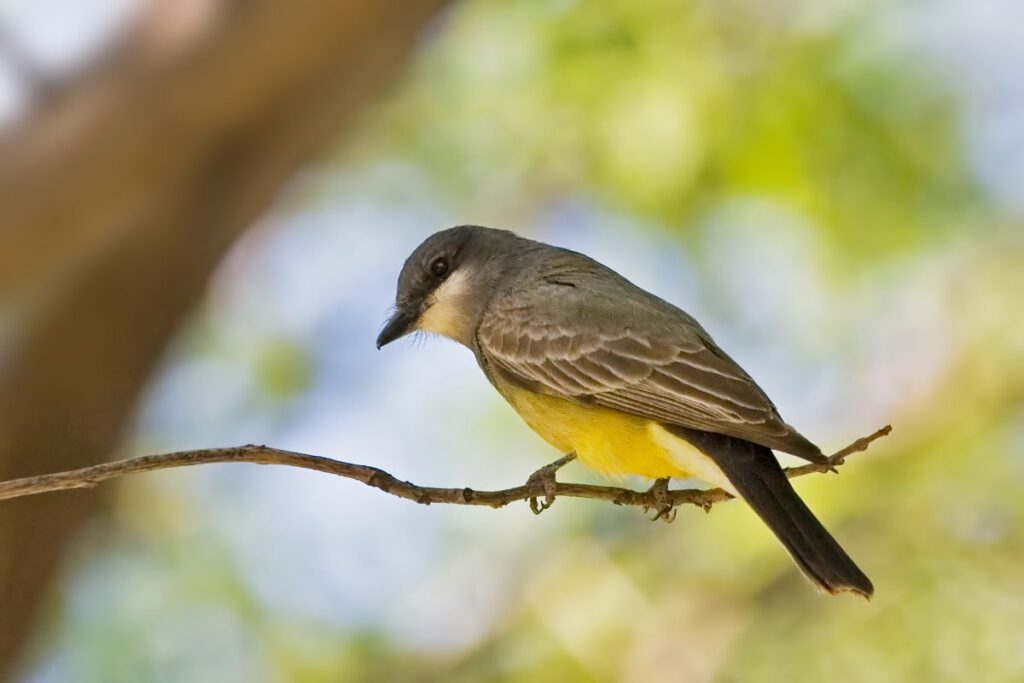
x=447, y=312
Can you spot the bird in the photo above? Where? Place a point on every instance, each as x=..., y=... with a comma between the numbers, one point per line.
x=615, y=376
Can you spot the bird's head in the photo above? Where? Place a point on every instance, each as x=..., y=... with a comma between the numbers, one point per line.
x=446, y=281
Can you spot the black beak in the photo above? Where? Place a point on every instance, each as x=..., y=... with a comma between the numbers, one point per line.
x=399, y=325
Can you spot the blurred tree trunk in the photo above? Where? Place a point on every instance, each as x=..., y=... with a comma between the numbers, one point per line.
x=120, y=198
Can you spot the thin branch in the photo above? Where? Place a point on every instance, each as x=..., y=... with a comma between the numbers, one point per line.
x=88, y=477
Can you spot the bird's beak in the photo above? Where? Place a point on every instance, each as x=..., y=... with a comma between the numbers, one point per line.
x=398, y=325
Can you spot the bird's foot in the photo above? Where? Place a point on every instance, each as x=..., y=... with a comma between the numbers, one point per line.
x=664, y=508
x=545, y=476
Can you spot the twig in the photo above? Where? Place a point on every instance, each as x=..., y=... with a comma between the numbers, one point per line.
x=88, y=477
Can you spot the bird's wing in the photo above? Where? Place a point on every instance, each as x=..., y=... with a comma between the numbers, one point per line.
x=627, y=350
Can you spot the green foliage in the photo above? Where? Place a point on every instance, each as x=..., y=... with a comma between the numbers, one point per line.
x=664, y=109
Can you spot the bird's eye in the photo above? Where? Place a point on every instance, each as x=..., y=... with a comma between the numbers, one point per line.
x=439, y=267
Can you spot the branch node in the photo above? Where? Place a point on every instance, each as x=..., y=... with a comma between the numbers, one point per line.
x=380, y=480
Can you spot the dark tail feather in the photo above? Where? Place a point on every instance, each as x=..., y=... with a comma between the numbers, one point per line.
x=758, y=478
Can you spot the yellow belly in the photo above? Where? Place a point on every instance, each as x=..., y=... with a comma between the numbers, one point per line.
x=609, y=441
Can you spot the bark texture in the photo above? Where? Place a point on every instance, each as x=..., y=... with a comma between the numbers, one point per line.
x=122, y=194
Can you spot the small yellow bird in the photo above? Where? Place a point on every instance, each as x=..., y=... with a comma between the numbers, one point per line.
x=624, y=380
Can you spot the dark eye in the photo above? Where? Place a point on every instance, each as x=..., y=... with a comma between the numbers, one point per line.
x=439, y=267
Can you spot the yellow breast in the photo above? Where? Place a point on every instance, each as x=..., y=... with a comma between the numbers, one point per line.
x=609, y=441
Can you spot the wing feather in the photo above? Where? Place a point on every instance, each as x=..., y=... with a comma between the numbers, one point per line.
x=647, y=359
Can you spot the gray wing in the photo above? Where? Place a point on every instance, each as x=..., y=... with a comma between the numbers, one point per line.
x=593, y=340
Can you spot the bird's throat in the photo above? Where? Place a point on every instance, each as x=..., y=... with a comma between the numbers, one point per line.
x=448, y=311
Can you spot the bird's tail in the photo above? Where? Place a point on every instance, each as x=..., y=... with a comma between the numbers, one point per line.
x=758, y=478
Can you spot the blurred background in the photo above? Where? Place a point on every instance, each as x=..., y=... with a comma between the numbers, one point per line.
x=205, y=206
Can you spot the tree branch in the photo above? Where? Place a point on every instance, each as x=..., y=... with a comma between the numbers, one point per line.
x=89, y=477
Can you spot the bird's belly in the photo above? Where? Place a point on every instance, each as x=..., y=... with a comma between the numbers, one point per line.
x=609, y=441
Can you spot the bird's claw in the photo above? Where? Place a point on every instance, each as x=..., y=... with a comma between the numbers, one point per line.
x=666, y=514
x=545, y=476
x=664, y=509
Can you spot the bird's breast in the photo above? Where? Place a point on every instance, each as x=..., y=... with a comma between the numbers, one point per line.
x=611, y=442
